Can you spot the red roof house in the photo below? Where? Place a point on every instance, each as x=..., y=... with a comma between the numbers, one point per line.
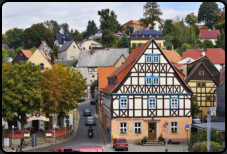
x=209, y=34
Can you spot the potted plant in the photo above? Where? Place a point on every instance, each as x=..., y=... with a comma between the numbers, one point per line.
x=142, y=141
x=160, y=138
x=170, y=141
x=49, y=132
x=138, y=133
x=138, y=142
x=18, y=132
x=122, y=132
x=26, y=133
x=145, y=138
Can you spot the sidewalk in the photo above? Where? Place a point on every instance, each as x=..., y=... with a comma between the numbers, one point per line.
x=47, y=143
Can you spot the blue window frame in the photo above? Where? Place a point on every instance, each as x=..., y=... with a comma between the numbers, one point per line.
x=152, y=80
x=152, y=58
x=123, y=102
x=174, y=102
x=152, y=101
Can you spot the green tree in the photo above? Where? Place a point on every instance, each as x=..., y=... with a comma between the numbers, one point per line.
x=34, y=35
x=185, y=46
x=77, y=36
x=108, y=24
x=124, y=41
x=196, y=29
x=221, y=40
x=152, y=13
x=191, y=19
x=192, y=40
x=167, y=26
x=65, y=28
x=208, y=44
x=88, y=30
x=93, y=85
x=4, y=53
x=21, y=90
x=83, y=35
x=53, y=25
x=4, y=39
x=93, y=27
x=13, y=37
x=18, y=49
x=127, y=29
x=11, y=53
x=55, y=50
x=33, y=49
x=203, y=27
x=208, y=13
x=195, y=108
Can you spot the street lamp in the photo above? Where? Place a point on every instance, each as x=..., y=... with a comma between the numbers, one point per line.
x=12, y=133
x=54, y=130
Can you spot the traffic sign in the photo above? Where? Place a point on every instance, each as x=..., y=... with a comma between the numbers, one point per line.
x=187, y=127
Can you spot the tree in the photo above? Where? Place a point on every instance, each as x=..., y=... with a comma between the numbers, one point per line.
x=93, y=85
x=4, y=39
x=195, y=108
x=11, y=53
x=65, y=28
x=203, y=27
x=34, y=35
x=18, y=49
x=208, y=13
x=208, y=44
x=88, y=30
x=83, y=35
x=4, y=53
x=167, y=26
x=152, y=13
x=124, y=41
x=196, y=29
x=93, y=27
x=77, y=36
x=127, y=29
x=192, y=37
x=21, y=90
x=13, y=37
x=221, y=40
x=33, y=49
x=191, y=19
x=108, y=24
x=55, y=50
x=53, y=25
x=185, y=46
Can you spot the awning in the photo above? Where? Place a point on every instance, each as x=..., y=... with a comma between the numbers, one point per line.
x=218, y=126
x=37, y=118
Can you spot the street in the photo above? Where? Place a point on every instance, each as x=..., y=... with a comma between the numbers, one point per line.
x=80, y=139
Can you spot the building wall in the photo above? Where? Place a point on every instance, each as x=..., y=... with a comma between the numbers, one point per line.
x=93, y=74
x=119, y=62
x=213, y=40
x=218, y=66
x=86, y=44
x=37, y=58
x=144, y=41
x=20, y=56
x=184, y=68
x=132, y=137
x=73, y=51
x=62, y=55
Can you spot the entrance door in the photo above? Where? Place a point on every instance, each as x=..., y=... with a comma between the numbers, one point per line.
x=35, y=125
x=151, y=131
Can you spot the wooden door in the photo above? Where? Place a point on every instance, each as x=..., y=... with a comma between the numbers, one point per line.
x=151, y=131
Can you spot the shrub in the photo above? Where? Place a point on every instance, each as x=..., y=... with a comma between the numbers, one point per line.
x=26, y=131
x=138, y=140
x=170, y=141
x=49, y=130
x=202, y=147
x=142, y=141
x=60, y=129
x=160, y=138
x=8, y=130
x=83, y=48
x=169, y=47
x=18, y=132
x=145, y=138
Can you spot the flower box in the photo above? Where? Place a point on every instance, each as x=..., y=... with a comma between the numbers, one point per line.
x=26, y=134
x=48, y=134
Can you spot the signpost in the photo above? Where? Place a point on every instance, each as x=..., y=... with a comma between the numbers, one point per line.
x=67, y=122
x=34, y=141
x=187, y=128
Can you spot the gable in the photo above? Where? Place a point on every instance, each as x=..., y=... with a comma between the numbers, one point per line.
x=134, y=80
x=38, y=58
x=20, y=56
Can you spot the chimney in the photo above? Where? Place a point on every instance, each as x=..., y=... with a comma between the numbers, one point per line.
x=140, y=30
x=91, y=52
x=52, y=58
x=161, y=29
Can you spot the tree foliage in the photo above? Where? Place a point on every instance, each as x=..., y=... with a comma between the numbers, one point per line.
x=13, y=37
x=124, y=41
x=4, y=39
x=11, y=53
x=191, y=19
x=33, y=49
x=208, y=44
x=195, y=108
x=196, y=29
x=53, y=25
x=127, y=29
x=34, y=35
x=4, y=53
x=93, y=85
x=21, y=90
x=65, y=28
x=208, y=13
x=192, y=40
x=167, y=26
x=94, y=28
x=221, y=40
x=152, y=13
x=77, y=36
x=55, y=50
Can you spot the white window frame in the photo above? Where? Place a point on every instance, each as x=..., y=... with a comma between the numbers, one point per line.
x=178, y=130
x=148, y=80
x=122, y=106
x=143, y=36
x=134, y=127
x=150, y=57
x=124, y=127
x=154, y=80
x=173, y=106
x=72, y=57
x=150, y=106
x=150, y=36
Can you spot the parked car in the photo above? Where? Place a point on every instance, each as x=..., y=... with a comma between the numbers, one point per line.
x=120, y=143
x=90, y=121
x=196, y=120
x=87, y=112
x=78, y=149
x=92, y=101
x=96, y=100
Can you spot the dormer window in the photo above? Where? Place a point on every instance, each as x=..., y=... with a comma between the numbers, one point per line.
x=201, y=72
x=136, y=36
x=143, y=36
x=152, y=58
x=150, y=36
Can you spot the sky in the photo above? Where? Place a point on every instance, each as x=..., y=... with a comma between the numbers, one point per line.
x=77, y=14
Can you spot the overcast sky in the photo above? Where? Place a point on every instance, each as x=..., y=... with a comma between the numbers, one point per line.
x=77, y=14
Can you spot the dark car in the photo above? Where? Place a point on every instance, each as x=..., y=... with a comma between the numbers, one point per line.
x=92, y=101
x=87, y=112
x=90, y=121
x=120, y=143
x=78, y=149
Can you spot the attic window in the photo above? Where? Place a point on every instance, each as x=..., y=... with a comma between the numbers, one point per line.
x=150, y=36
x=143, y=36
x=201, y=72
x=21, y=54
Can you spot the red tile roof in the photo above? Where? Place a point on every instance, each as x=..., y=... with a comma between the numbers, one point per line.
x=172, y=55
x=178, y=65
x=222, y=74
x=216, y=55
x=180, y=73
x=27, y=53
x=212, y=34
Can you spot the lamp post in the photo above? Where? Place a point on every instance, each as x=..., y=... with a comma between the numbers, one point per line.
x=12, y=133
x=208, y=130
x=54, y=130
x=65, y=127
x=166, y=150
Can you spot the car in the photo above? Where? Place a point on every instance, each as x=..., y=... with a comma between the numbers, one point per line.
x=92, y=101
x=78, y=149
x=120, y=143
x=196, y=120
x=87, y=112
x=90, y=121
x=96, y=100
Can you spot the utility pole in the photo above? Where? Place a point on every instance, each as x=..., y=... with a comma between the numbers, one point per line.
x=208, y=130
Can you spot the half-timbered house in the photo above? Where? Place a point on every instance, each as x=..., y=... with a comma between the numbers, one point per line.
x=144, y=94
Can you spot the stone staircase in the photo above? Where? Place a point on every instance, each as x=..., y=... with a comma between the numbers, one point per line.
x=153, y=143
x=40, y=139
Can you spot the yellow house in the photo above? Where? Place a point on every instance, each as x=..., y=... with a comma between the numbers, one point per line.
x=143, y=36
x=39, y=58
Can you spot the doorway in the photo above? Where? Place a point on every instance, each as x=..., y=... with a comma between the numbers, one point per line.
x=152, y=131
x=35, y=125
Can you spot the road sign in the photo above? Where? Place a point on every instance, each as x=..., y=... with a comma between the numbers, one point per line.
x=187, y=127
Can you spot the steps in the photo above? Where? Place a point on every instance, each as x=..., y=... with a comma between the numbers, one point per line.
x=153, y=143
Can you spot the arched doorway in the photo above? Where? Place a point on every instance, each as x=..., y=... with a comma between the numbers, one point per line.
x=35, y=125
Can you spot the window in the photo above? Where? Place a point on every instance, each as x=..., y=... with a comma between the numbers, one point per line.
x=93, y=76
x=155, y=59
x=123, y=128
x=152, y=103
x=42, y=66
x=72, y=57
x=143, y=36
x=157, y=36
x=155, y=81
x=152, y=80
x=208, y=98
x=174, y=102
x=33, y=64
x=136, y=44
x=137, y=128
x=174, y=127
x=92, y=69
x=181, y=70
x=58, y=150
x=150, y=36
x=148, y=81
x=123, y=102
x=201, y=72
x=21, y=54
x=149, y=59
x=201, y=84
x=136, y=36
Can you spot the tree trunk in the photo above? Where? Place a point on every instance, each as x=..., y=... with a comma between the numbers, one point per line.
x=47, y=123
x=22, y=120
